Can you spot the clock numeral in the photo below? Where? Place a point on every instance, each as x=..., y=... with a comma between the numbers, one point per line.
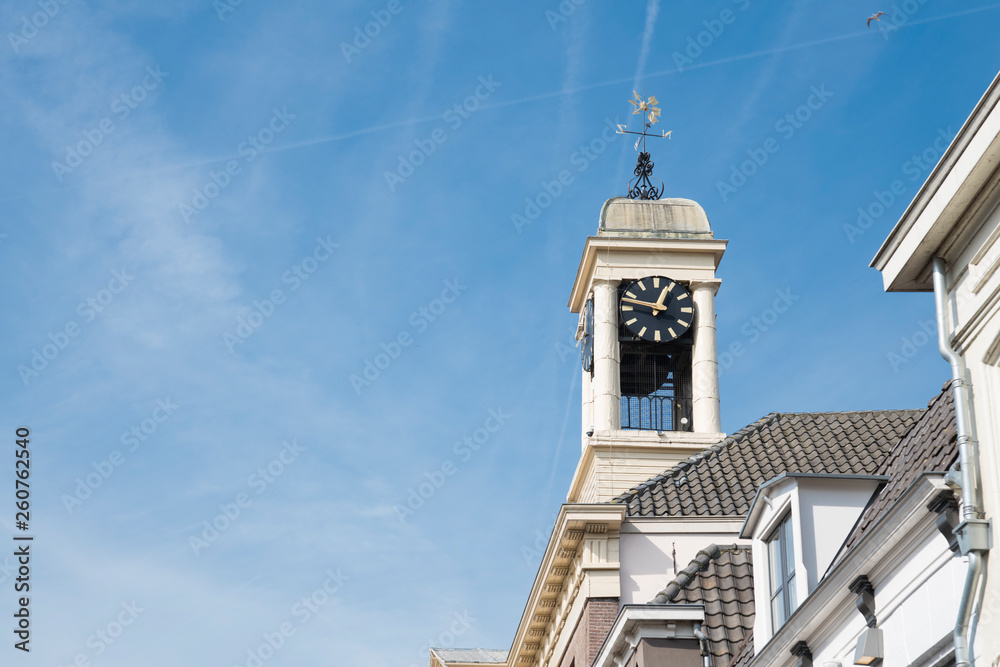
x=642, y=332
x=686, y=310
x=672, y=334
x=683, y=323
x=633, y=320
x=682, y=296
x=656, y=335
x=671, y=286
x=630, y=295
x=656, y=282
x=627, y=308
x=641, y=286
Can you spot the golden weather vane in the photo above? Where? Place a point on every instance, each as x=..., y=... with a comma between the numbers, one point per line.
x=642, y=187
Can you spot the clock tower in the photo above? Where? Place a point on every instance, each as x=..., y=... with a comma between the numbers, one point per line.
x=645, y=293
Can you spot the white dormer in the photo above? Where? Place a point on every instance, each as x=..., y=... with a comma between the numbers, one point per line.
x=798, y=523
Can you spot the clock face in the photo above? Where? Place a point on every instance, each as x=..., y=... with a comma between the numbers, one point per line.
x=657, y=309
x=587, y=343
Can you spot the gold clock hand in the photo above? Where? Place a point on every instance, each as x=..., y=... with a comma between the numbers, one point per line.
x=659, y=302
x=641, y=303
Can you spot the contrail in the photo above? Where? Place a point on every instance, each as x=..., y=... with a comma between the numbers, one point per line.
x=525, y=100
x=603, y=84
x=562, y=433
x=652, y=10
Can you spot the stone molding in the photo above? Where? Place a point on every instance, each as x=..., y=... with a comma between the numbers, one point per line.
x=618, y=259
x=581, y=561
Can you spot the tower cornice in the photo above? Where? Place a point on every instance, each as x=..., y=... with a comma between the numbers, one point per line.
x=618, y=258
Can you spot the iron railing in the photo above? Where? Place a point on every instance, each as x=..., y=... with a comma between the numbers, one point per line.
x=656, y=413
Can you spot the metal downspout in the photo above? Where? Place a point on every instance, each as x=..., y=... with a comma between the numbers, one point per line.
x=973, y=532
x=706, y=657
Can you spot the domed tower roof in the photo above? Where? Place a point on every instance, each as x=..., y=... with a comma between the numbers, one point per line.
x=658, y=219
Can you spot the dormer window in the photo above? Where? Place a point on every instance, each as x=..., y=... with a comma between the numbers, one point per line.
x=781, y=559
x=798, y=523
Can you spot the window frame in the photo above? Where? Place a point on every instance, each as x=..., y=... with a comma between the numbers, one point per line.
x=783, y=537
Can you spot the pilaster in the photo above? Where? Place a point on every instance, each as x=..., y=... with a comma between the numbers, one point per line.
x=705, y=359
x=607, y=356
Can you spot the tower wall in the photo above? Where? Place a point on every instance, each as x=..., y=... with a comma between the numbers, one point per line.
x=635, y=239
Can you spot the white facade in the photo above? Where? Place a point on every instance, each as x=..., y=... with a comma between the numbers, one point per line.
x=955, y=217
x=655, y=548
x=916, y=579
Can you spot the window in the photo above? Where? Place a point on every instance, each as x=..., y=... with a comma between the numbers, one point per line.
x=781, y=559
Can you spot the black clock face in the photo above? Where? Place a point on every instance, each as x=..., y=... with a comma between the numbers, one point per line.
x=587, y=344
x=657, y=309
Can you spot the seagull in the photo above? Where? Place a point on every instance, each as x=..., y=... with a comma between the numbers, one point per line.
x=874, y=17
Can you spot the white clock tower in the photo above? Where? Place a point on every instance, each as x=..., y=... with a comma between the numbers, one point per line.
x=647, y=405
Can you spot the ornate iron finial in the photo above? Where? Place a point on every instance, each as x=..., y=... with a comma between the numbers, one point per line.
x=642, y=186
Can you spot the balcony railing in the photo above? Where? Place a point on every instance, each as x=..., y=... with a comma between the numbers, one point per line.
x=656, y=413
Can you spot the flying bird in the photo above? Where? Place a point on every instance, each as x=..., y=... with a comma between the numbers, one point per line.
x=875, y=17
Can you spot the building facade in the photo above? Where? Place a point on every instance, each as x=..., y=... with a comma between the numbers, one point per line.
x=948, y=242
x=854, y=538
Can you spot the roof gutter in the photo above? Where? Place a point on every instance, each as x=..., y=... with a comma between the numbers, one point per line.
x=974, y=537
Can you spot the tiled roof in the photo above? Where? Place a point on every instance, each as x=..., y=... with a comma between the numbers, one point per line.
x=744, y=652
x=930, y=446
x=467, y=655
x=722, y=480
x=721, y=579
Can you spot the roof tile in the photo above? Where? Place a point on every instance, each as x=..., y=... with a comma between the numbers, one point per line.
x=717, y=578
x=930, y=445
x=722, y=480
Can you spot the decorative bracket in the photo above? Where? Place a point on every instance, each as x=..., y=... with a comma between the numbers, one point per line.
x=802, y=652
x=863, y=588
x=945, y=506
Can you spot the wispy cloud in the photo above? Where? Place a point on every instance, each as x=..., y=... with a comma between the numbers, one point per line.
x=652, y=11
x=638, y=80
x=576, y=58
x=568, y=89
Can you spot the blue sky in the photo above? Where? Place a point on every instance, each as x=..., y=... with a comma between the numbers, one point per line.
x=201, y=247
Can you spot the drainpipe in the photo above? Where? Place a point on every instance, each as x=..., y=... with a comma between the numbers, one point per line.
x=974, y=537
x=706, y=657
